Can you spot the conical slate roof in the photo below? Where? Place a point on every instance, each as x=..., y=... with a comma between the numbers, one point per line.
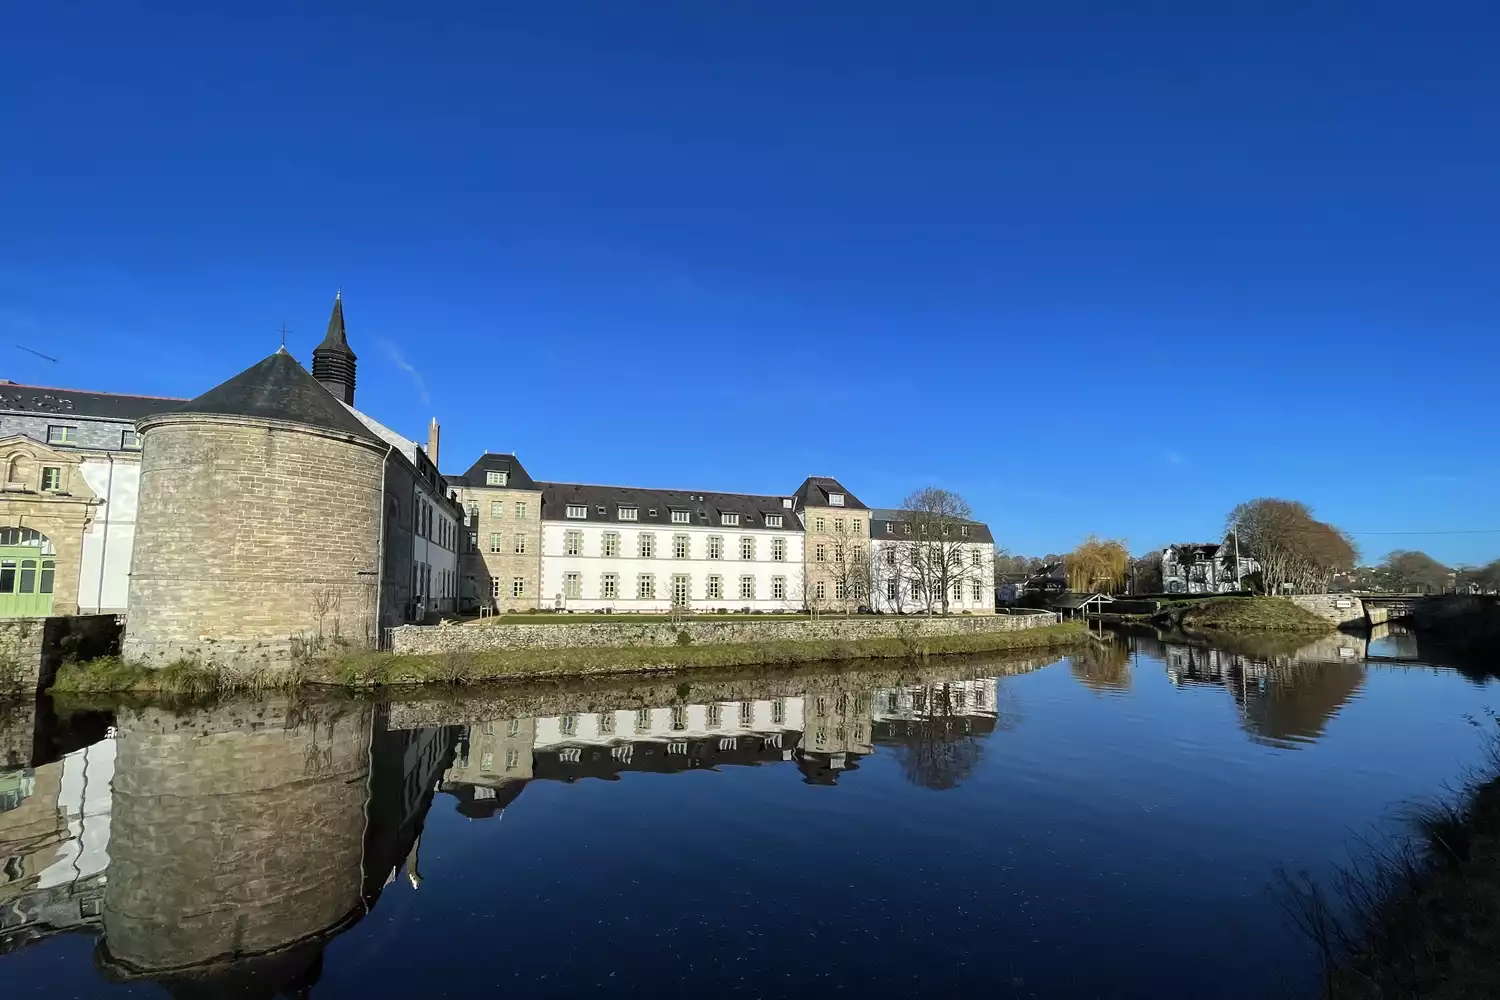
x=278, y=388
x=336, y=339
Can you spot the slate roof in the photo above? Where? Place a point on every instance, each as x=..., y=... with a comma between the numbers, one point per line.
x=1187, y=550
x=47, y=401
x=279, y=388
x=814, y=492
x=703, y=508
x=517, y=476
x=336, y=339
x=978, y=530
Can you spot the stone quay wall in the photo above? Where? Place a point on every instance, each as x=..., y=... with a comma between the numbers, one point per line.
x=748, y=631
x=31, y=649
x=1341, y=609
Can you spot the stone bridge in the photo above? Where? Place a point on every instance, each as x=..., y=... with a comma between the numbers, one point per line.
x=1359, y=609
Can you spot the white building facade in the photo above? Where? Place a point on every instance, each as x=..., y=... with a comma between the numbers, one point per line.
x=899, y=588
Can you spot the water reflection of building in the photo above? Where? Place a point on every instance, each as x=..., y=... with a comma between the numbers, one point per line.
x=217, y=851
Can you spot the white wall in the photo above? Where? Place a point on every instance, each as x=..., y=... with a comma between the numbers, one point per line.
x=104, y=577
x=443, y=558
x=984, y=573
x=608, y=727
x=591, y=565
x=84, y=798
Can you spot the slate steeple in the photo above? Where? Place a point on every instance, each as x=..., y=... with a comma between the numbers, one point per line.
x=333, y=362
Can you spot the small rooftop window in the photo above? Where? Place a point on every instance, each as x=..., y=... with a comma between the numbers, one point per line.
x=836, y=499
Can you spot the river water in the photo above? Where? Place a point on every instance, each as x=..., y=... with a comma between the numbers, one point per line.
x=1102, y=825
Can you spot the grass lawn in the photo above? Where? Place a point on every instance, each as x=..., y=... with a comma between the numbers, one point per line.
x=1251, y=614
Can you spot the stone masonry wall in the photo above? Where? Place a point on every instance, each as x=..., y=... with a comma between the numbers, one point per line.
x=234, y=830
x=1341, y=609
x=414, y=639
x=250, y=536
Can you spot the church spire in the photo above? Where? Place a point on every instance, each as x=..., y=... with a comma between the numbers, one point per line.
x=333, y=363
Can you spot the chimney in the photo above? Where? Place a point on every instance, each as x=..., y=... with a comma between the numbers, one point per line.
x=432, y=441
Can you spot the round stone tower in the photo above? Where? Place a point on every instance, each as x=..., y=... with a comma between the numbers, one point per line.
x=259, y=523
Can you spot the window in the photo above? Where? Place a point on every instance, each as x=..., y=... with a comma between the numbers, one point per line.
x=855, y=525
x=835, y=499
x=890, y=590
x=518, y=586
x=747, y=548
x=840, y=591
x=729, y=520
x=682, y=589
x=778, y=549
x=130, y=440
x=646, y=545
x=715, y=591
x=628, y=513
x=916, y=590
x=607, y=723
x=890, y=527
x=838, y=553
x=747, y=588
x=573, y=543
x=611, y=544
x=681, y=546
x=642, y=720
x=976, y=590
x=838, y=525
x=778, y=588
x=715, y=547
x=820, y=591
x=512, y=758
x=520, y=544
x=568, y=724
x=679, y=722
x=473, y=541
x=906, y=529
x=963, y=529
x=820, y=553
x=818, y=524
x=747, y=714
x=976, y=559
x=645, y=587
x=715, y=717
x=609, y=586
x=494, y=541
x=51, y=478
x=577, y=511
x=773, y=520
x=520, y=510
x=682, y=517
x=890, y=557
x=473, y=510
x=487, y=762
x=61, y=434
x=778, y=712
x=573, y=585
x=497, y=509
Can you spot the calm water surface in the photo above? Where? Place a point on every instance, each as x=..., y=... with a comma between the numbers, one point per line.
x=1104, y=825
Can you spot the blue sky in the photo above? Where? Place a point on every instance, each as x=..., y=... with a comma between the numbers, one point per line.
x=1098, y=270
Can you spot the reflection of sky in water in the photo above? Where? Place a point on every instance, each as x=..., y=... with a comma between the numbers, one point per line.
x=1105, y=826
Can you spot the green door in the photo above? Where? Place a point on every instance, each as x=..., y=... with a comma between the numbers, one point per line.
x=26, y=577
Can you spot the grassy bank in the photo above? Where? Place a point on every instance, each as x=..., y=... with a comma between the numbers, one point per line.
x=381, y=669
x=1420, y=921
x=1242, y=614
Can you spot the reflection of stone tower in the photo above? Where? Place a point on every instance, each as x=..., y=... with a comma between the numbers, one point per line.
x=838, y=728
x=491, y=766
x=236, y=831
x=259, y=520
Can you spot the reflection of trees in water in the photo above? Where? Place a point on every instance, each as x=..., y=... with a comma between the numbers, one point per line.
x=1102, y=665
x=1293, y=703
x=938, y=748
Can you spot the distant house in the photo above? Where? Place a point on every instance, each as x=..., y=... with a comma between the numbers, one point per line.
x=1204, y=568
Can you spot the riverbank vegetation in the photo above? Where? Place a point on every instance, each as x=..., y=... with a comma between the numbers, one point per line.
x=368, y=670
x=1240, y=614
x=1419, y=920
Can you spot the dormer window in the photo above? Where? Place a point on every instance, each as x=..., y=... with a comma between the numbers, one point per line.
x=629, y=513
x=773, y=520
x=682, y=517
x=787, y=503
x=496, y=477
x=130, y=440
x=729, y=519
x=890, y=528
x=963, y=529
x=578, y=511
x=651, y=512
x=836, y=499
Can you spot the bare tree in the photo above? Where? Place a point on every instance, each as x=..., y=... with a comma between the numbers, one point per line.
x=850, y=570
x=940, y=522
x=1295, y=550
x=889, y=579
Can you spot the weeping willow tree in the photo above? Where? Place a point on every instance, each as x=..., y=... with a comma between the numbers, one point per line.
x=1097, y=566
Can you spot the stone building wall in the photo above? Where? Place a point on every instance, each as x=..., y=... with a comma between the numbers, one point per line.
x=487, y=568
x=236, y=830
x=1341, y=609
x=821, y=530
x=252, y=535
x=746, y=631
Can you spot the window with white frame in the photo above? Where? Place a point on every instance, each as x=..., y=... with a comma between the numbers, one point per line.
x=495, y=542
x=916, y=590
x=577, y=511
x=820, y=591
x=890, y=557
x=729, y=520
x=977, y=559
x=645, y=587
x=628, y=513
x=609, y=586
x=495, y=589
x=61, y=434
x=773, y=520
x=715, y=547
x=572, y=543
x=130, y=440
x=495, y=477
x=473, y=541
x=906, y=529
x=838, y=553
x=682, y=517
x=835, y=499
x=963, y=529
x=778, y=550
x=520, y=544
x=518, y=586
x=818, y=523
x=715, y=589
x=890, y=590
x=611, y=544
x=645, y=545
x=51, y=478
x=778, y=588
x=820, y=553
x=838, y=525
x=520, y=510
x=958, y=591
x=682, y=589
x=976, y=590
x=681, y=546
x=747, y=548
x=573, y=585
x=497, y=509
x=855, y=525
x=747, y=588
x=890, y=527
x=840, y=590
